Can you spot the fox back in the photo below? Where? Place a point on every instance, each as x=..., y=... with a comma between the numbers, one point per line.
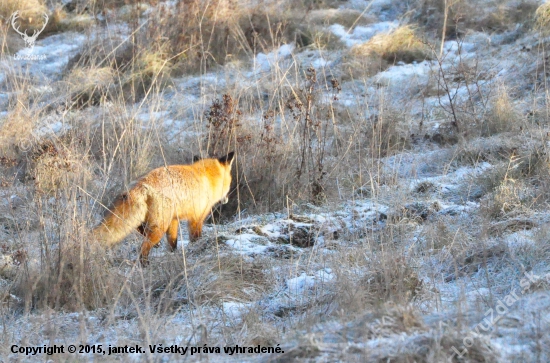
x=188, y=190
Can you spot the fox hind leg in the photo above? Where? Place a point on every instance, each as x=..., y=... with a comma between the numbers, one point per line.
x=143, y=230
x=153, y=237
x=172, y=234
x=157, y=222
x=195, y=227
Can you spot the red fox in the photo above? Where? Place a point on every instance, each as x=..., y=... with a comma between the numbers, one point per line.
x=158, y=200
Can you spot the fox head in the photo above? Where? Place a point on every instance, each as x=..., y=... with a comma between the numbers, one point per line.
x=226, y=162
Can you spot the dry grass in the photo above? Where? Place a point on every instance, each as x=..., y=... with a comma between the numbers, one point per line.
x=502, y=115
x=510, y=198
x=61, y=21
x=89, y=86
x=55, y=168
x=400, y=45
x=30, y=12
x=383, y=50
x=71, y=279
x=30, y=18
x=16, y=130
x=297, y=146
x=348, y=18
x=440, y=234
x=418, y=342
x=514, y=187
x=275, y=160
x=508, y=15
x=59, y=269
x=371, y=273
x=191, y=38
x=464, y=16
x=543, y=16
x=211, y=36
x=108, y=69
x=386, y=135
x=358, y=67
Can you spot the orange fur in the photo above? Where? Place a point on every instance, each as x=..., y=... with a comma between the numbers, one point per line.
x=163, y=197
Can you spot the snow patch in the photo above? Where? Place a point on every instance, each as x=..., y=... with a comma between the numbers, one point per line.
x=455, y=48
x=264, y=62
x=298, y=285
x=361, y=33
x=234, y=310
x=410, y=74
x=320, y=63
x=53, y=54
x=244, y=244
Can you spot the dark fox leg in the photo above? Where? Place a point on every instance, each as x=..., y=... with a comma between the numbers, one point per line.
x=195, y=227
x=195, y=230
x=142, y=229
x=172, y=234
x=153, y=237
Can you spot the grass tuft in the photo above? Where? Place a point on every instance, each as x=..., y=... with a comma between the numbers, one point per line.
x=400, y=45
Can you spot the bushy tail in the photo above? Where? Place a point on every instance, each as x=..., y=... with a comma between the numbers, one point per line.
x=127, y=213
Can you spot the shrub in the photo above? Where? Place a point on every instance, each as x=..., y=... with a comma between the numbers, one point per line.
x=201, y=36
x=542, y=15
x=501, y=116
x=461, y=16
x=286, y=155
x=400, y=45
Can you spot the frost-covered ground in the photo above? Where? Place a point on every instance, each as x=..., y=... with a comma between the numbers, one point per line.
x=320, y=282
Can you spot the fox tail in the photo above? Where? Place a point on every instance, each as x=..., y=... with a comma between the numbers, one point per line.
x=127, y=213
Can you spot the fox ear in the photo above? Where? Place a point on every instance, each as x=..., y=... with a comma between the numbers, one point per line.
x=228, y=159
x=196, y=158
